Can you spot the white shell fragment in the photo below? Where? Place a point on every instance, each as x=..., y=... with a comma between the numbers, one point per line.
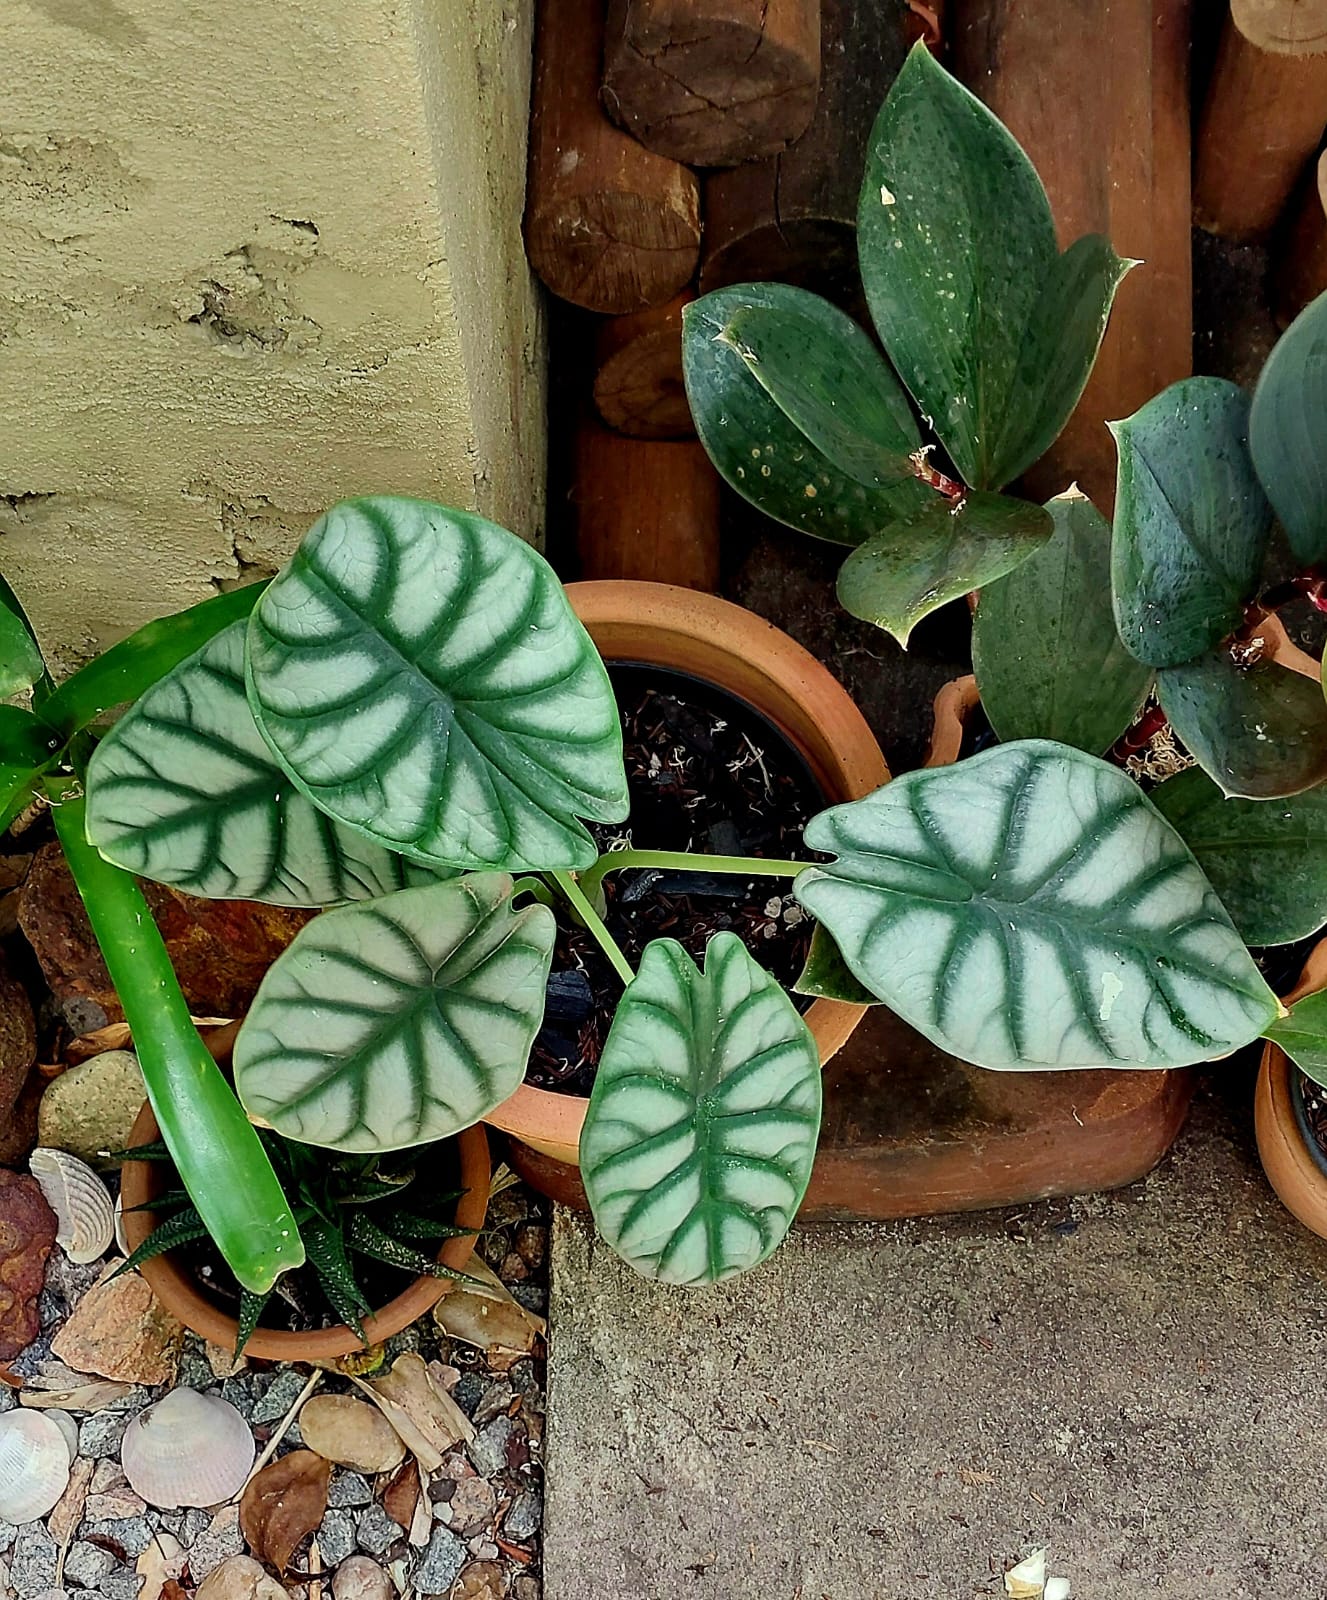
x=82, y=1204
x=69, y=1428
x=34, y=1465
x=1027, y=1581
x=189, y=1449
x=1057, y=1589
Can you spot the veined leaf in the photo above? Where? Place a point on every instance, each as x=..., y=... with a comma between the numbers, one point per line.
x=1045, y=648
x=1288, y=431
x=826, y=974
x=1266, y=859
x=1191, y=521
x=184, y=789
x=398, y=1021
x=702, y=1126
x=1028, y=908
x=1303, y=1036
x=421, y=675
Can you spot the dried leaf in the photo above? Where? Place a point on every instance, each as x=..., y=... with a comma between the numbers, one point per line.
x=421, y=1524
x=87, y=1397
x=161, y=1563
x=283, y=1505
x=488, y=1318
x=422, y=1412
x=68, y=1512
x=401, y=1495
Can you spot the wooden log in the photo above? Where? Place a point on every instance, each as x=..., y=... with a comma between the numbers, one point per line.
x=1263, y=115
x=1301, y=271
x=638, y=384
x=794, y=217
x=645, y=509
x=1111, y=143
x=609, y=225
x=712, y=82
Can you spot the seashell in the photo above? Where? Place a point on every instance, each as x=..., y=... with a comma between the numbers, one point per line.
x=34, y=1465
x=80, y=1200
x=189, y=1449
x=69, y=1428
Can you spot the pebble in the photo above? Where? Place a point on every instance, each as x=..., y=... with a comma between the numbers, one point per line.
x=101, y=1434
x=481, y=1580
x=523, y=1519
x=483, y=1549
x=222, y=1540
x=90, y=1109
x=240, y=1577
x=279, y=1397
x=86, y=1564
x=530, y=1295
x=358, y=1578
x=496, y=1400
x=488, y=1449
x=239, y=1391
x=32, y=1565
x=531, y=1241
x=113, y=1505
x=444, y=1556
x=132, y=1534
x=375, y=1530
x=106, y=1475
x=469, y=1391
x=471, y=1504
x=119, y=1585
x=195, y=1369
x=8, y=1398
x=336, y=1537
x=349, y=1489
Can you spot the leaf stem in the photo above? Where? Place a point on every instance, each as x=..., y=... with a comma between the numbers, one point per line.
x=683, y=861
x=576, y=898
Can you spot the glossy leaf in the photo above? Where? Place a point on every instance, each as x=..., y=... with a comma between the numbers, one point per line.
x=1266, y=859
x=1288, y=431
x=1303, y=1036
x=915, y=564
x=21, y=661
x=993, y=332
x=1261, y=732
x=398, y=1021
x=1045, y=649
x=756, y=448
x=702, y=1126
x=421, y=675
x=826, y=975
x=1028, y=908
x=184, y=789
x=1191, y=521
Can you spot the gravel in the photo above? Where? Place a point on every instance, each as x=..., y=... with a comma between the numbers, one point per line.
x=444, y=1557
x=32, y=1565
x=336, y=1537
x=375, y=1530
x=349, y=1489
x=280, y=1395
x=488, y=1449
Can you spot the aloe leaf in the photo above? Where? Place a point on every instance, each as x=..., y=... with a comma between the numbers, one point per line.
x=702, y=1126
x=914, y=565
x=421, y=675
x=1288, y=431
x=1191, y=521
x=185, y=790
x=1029, y=908
x=826, y=975
x=1045, y=648
x=1303, y=1036
x=398, y=1021
x=1260, y=731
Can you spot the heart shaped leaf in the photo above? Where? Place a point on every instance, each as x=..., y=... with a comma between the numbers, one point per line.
x=916, y=563
x=1288, y=431
x=1028, y=908
x=1266, y=859
x=398, y=1021
x=702, y=1127
x=1191, y=521
x=185, y=790
x=825, y=973
x=421, y=675
x=1303, y=1036
x=1045, y=648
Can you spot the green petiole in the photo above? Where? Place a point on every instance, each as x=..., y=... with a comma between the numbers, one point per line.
x=679, y=861
x=594, y=922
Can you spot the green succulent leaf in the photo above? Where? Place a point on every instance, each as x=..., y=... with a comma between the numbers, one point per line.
x=827, y=976
x=702, y=1126
x=1028, y=908
x=1266, y=859
x=421, y=675
x=400, y=1020
x=917, y=563
x=251, y=1310
x=1045, y=649
x=185, y=790
x=1303, y=1036
x=185, y=1228
x=326, y=1247
x=1288, y=431
x=1191, y=521
x=368, y=1239
x=21, y=663
x=1260, y=731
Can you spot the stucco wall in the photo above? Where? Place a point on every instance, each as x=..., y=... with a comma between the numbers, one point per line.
x=253, y=257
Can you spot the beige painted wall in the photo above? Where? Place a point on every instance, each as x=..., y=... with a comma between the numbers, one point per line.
x=254, y=257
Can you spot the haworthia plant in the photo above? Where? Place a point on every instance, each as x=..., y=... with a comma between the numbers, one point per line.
x=184, y=789
x=1288, y=431
x=399, y=1021
x=421, y=675
x=1029, y=908
x=702, y=1127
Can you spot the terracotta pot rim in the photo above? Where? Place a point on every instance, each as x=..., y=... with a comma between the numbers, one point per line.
x=180, y=1295
x=1295, y=1167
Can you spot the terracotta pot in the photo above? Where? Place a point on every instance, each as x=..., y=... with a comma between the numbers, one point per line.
x=179, y=1292
x=665, y=626
x=1296, y=1170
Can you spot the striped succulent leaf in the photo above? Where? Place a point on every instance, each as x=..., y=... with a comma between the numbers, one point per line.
x=185, y=790
x=398, y=1021
x=1030, y=908
x=422, y=676
x=702, y=1127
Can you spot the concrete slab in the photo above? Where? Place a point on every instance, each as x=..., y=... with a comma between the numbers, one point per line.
x=1133, y=1381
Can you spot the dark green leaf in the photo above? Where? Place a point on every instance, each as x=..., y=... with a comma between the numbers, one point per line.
x=184, y=1229
x=410, y=1225
x=366, y=1237
x=1191, y=521
x=326, y=1247
x=828, y=976
x=1303, y=1036
x=252, y=1307
x=1047, y=656
x=21, y=663
x=1288, y=431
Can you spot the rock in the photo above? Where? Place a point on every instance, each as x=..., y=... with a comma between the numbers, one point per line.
x=119, y=1585
x=222, y=1540
x=336, y=1537
x=239, y=1577
x=359, y=1578
x=18, y=1127
x=131, y=1534
x=32, y=1564
x=375, y=1531
x=472, y=1505
x=483, y=1549
x=348, y=1489
x=470, y=1389
x=279, y=1397
x=18, y=1039
x=27, y=1233
x=533, y=1296
x=114, y=1504
x=351, y=1432
x=90, y=1109
x=101, y=1434
x=444, y=1556
x=121, y=1330
x=525, y=1586
x=497, y=1399
x=481, y=1580
x=223, y=1361
x=86, y=1564
x=188, y=1525
x=239, y=1391
x=512, y=1268
x=71, y=1280
x=523, y=1519
x=8, y=1399
x=530, y=1241
x=488, y=1449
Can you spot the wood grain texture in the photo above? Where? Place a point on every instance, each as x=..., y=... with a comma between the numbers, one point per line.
x=638, y=383
x=1293, y=26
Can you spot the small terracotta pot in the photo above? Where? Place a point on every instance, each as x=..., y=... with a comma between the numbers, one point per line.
x=178, y=1290
x=1297, y=1172
x=660, y=625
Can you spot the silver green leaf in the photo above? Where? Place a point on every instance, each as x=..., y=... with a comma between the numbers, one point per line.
x=185, y=790
x=421, y=675
x=701, y=1131
x=1029, y=908
x=1288, y=431
x=399, y=1021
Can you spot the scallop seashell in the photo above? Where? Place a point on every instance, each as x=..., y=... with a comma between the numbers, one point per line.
x=34, y=1465
x=69, y=1428
x=189, y=1449
x=80, y=1200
